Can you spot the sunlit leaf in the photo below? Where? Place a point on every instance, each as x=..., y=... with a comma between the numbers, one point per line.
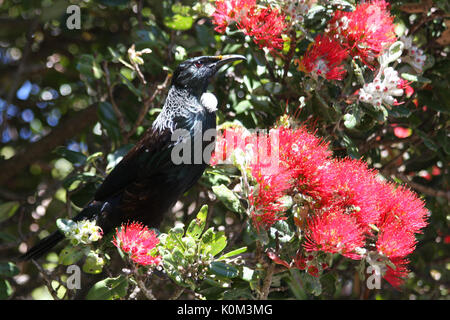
x=8, y=209
x=197, y=225
x=179, y=22
x=8, y=269
x=224, y=270
x=109, y=289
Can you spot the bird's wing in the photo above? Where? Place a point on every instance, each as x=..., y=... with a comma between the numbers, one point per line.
x=147, y=156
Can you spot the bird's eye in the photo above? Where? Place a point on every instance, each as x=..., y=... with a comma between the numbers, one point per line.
x=198, y=64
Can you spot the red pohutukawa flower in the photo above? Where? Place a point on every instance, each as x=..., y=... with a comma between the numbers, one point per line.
x=353, y=186
x=139, y=242
x=229, y=11
x=299, y=156
x=397, y=276
x=395, y=241
x=346, y=207
x=324, y=59
x=366, y=31
x=264, y=24
x=335, y=231
x=305, y=155
x=265, y=199
x=403, y=207
x=227, y=141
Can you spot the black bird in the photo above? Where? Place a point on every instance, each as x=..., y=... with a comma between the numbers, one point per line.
x=151, y=177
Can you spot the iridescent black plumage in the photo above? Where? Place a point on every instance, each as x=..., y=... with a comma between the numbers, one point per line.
x=147, y=182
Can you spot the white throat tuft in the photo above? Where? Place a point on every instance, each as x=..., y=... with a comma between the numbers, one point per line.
x=209, y=101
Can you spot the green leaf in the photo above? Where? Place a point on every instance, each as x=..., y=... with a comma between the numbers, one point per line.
x=178, y=257
x=243, y=106
x=427, y=141
x=65, y=225
x=117, y=156
x=286, y=43
x=232, y=253
x=130, y=85
x=400, y=112
x=113, y=3
x=94, y=263
x=223, y=270
x=214, y=283
x=8, y=209
x=83, y=196
x=247, y=274
x=179, y=22
x=127, y=73
x=235, y=294
x=273, y=87
x=311, y=284
x=84, y=65
x=430, y=144
x=109, y=289
x=72, y=182
x=174, y=238
x=215, y=177
x=197, y=225
x=435, y=100
x=349, y=121
x=285, y=234
x=41, y=293
x=8, y=269
x=74, y=157
x=88, y=66
x=109, y=120
x=167, y=258
x=228, y=198
x=208, y=236
x=262, y=235
x=205, y=35
x=94, y=156
x=6, y=237
x=180, y=53
x=328, y=282
x=97, y=70
x=213, y=242
x=219, y=243
x=294, y=282
x=415, y=78
x=5, y=289
x=443, y=140
x=352, y=149
x=70, y=255
x=114, y=54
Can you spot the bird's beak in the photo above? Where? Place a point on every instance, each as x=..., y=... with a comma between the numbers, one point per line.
x=222, y=60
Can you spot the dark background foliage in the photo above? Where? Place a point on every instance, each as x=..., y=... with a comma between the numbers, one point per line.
x=69, y=109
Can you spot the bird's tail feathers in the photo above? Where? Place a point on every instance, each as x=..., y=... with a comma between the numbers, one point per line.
x=42, y=246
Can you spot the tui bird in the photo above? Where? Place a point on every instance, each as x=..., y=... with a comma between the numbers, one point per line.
x=149, y=180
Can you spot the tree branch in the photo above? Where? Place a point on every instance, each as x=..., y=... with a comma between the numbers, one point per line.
x=147, y=103
x=177, y=293
x=265, y=290
x=423, y=189
x=116, y=109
